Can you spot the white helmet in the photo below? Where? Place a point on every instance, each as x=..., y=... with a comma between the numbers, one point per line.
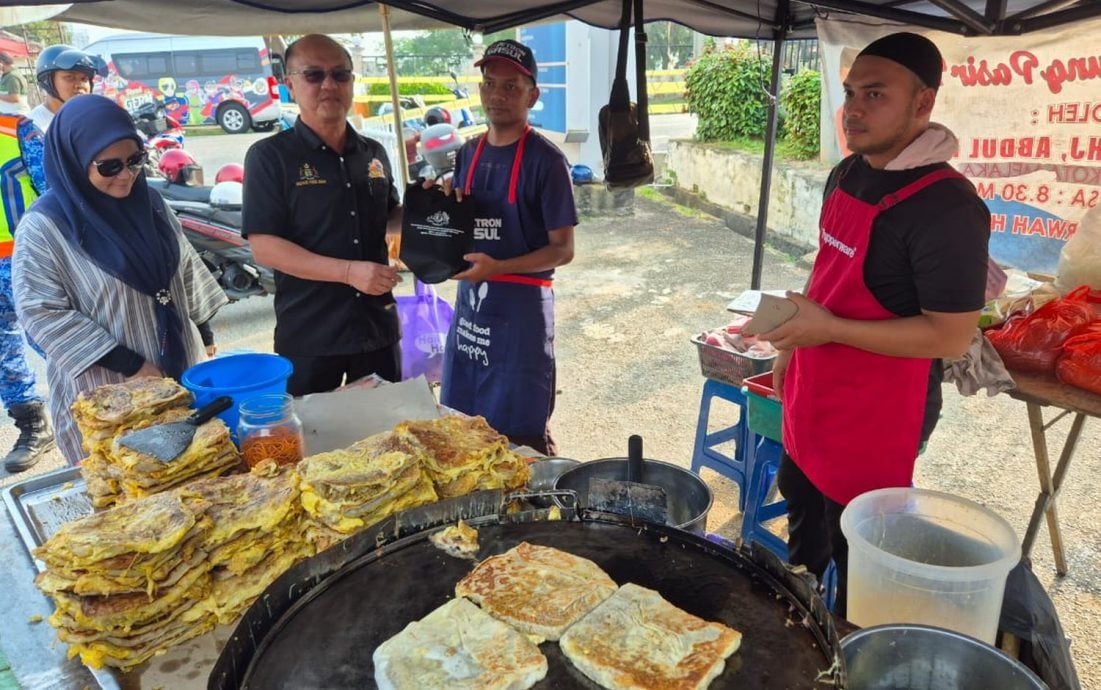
x=226, y=194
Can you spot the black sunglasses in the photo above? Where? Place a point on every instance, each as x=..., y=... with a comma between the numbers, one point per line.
x=109, y=167
x=315, y=76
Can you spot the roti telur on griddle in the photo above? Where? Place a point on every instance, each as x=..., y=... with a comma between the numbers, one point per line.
x=636, y=639
x=537, y=589
x=458, y=646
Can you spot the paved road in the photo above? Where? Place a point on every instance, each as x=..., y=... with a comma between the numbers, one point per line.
x=639, y=288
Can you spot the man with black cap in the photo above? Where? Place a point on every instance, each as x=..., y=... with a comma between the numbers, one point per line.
x=499, y=357
x=898, y=283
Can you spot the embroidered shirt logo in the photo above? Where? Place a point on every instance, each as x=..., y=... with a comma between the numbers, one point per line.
x=837, y=244
x=308, y=175
x=439, y=218
x=376, y=169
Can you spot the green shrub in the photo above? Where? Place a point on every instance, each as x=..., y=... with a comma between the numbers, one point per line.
x=411, y=88
x=727, y=90
x=801, y=100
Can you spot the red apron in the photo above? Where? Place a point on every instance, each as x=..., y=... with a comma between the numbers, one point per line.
x=852, y=418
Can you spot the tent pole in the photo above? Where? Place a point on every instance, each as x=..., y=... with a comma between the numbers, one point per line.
x=391, y=72
x=783, y=21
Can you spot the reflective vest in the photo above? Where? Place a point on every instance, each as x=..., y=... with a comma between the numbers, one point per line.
x=16, y=189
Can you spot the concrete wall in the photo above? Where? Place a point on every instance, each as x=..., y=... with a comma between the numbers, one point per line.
x=731, y=180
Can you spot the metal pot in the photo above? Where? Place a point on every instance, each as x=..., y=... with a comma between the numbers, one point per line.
x=921, y=657
x=689, y=498
x=546, y=471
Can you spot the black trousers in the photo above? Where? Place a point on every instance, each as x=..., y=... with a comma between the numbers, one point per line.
x=814, y=529
x=329, y=372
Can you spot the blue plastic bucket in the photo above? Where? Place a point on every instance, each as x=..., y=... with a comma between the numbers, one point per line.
x=240, y=376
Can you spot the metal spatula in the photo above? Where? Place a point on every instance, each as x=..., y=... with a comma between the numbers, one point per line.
x=166, y=442
x=645, y=502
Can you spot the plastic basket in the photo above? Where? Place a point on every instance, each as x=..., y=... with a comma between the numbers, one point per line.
x=727, y=366
x=764, y=413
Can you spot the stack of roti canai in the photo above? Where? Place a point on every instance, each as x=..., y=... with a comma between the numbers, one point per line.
x=255, y=533
x=129, y=581
x=210, y=454
x=345, y=491
x=114, y=409
x=465, y=454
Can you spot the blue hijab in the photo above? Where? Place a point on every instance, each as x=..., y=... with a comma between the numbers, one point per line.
x=129, y=238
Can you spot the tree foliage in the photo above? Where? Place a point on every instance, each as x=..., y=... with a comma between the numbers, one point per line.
x=432, y=53
x=668, y=45
x=45, y=32
x=726, y=88
x=801, y=100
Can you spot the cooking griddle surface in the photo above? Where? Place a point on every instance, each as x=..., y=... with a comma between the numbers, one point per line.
x=327, y=639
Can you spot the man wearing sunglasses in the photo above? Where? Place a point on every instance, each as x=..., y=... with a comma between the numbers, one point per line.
x=318, y=199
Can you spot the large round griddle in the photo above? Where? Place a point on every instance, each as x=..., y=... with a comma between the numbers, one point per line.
x=325, y=638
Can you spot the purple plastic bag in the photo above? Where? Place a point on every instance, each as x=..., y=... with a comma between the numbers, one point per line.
x=425, y=320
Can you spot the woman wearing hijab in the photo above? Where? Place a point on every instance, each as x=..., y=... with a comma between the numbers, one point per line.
x=104, y=279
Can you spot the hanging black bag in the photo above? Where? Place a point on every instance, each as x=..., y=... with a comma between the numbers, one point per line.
x=625, y=126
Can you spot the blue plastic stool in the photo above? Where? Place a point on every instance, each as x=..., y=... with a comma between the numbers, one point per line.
x=707, y=453
x=757, y=513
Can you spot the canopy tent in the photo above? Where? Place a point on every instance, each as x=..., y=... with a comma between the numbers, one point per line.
x=775, y=20
x=739, y=18
x=14, y=47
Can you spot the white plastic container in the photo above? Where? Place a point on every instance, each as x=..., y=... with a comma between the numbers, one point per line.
x=926, y=557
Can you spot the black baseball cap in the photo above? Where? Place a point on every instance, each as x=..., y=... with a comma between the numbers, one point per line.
x=513, y=52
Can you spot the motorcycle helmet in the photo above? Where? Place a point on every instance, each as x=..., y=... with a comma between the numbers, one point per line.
x=227, y=195
x=178, y=167
x=64, y=57
x=581, y=174
x=230, y=172
x=437, y=116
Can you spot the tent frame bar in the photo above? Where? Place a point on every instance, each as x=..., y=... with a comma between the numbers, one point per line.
x=783, y=19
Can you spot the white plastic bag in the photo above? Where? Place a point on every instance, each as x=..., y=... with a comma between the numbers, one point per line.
x=1080, y=260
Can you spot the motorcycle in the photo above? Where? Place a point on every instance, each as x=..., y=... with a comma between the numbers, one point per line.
x=439, y=144
x=159, y=132
x=211, y=221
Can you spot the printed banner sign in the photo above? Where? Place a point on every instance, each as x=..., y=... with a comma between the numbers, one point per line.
x=1027, y=111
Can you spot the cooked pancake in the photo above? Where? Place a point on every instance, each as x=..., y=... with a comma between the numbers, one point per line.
x=537, y=589
x=260, y=500
x=351, y=489
x=101, y=653
x=88, y=583
x=152, y=525
x=458, y=647
x=233, y=593
x=101, y=479
x=459, y=540
x=124, y=611
x=114, y=404
x=637, y=640
x=362, y=470
x=364, y=505
x=211, y=441
x=465, y=454
x=247, y=549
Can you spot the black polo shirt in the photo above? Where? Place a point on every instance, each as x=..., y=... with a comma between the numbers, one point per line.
x=334, y=204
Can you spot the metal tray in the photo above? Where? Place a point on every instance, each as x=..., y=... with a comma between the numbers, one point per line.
x=39, y=506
